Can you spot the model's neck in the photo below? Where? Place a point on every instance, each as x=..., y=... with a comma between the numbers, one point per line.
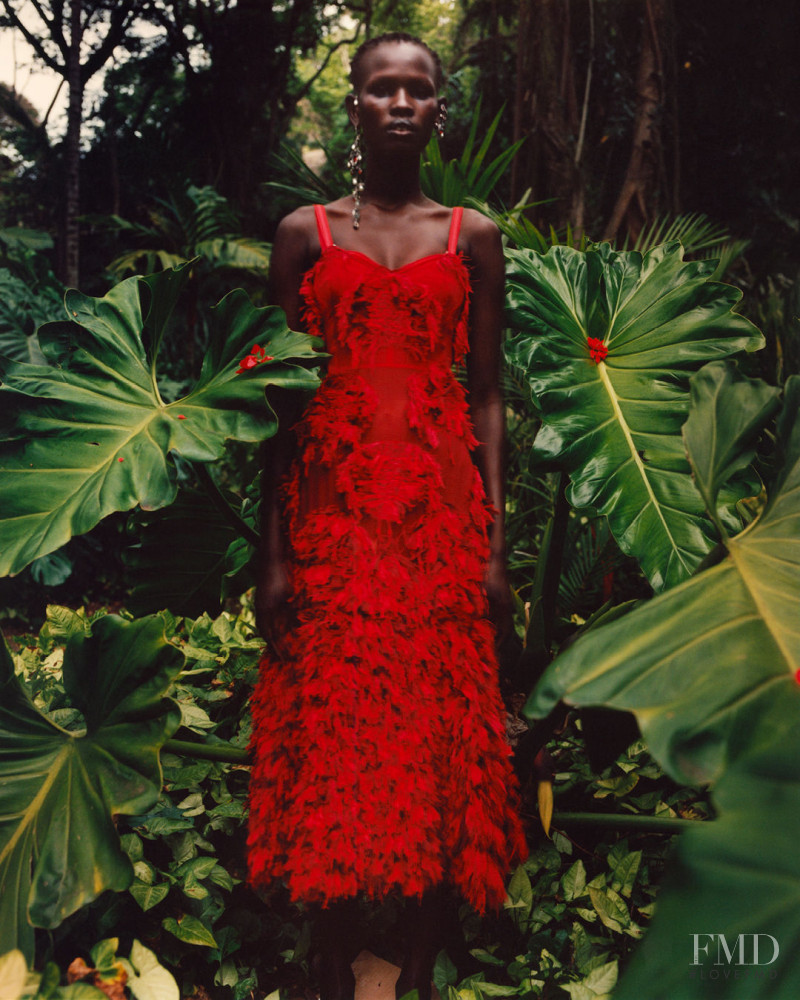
x=392, y=184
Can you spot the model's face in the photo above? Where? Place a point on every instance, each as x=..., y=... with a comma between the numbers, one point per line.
x=397, y=96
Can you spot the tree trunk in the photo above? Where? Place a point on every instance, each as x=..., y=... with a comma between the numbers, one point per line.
x=635, y=203
x=521, y=93
x=546, y=111
x=72, y=152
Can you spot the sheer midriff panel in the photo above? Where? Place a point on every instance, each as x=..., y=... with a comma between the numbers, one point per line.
x=390, y=425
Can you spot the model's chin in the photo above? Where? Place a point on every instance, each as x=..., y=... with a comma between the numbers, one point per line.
x=410, y=139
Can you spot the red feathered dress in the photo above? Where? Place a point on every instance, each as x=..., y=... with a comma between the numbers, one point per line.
x=380, y=760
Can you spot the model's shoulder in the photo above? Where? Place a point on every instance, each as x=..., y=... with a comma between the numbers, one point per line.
x=481, y=238
x=476, y=225
x=298, y=223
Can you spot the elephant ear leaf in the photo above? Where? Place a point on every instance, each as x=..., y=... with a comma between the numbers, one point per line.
x=607, y=340
x=703, y=666
x=88, y=433
x=61, y=790
x=712, y=672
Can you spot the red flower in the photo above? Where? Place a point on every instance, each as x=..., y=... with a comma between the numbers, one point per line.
x=597, y=349
x=255, y=357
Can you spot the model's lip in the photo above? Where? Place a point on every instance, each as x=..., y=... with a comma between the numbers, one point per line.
x=403, y=127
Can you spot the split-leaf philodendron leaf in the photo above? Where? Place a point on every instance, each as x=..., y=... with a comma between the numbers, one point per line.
x=711, y=670
x=89, y=433
x=614, y=422
x=60, y=790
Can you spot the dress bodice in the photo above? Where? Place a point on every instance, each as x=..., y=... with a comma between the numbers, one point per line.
x=372, y=316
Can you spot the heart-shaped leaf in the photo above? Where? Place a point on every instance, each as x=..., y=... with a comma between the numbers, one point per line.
x=702, y=666
x=60, y=791
x=89, y=433
x=607, y=340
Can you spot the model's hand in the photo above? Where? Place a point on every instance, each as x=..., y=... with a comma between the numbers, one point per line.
x=498, y=591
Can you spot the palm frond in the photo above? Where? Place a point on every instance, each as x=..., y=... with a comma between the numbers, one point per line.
x=469, y=178
x=727, y=255
x=146, y=260
x=518, y=229
x=299, y=180
x=590, y=554
x=695, y=230
x=210, y=215
x=235, y=251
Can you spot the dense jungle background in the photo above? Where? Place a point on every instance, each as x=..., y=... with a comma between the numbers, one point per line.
x=658, y=139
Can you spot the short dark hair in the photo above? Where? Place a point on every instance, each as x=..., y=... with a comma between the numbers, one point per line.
x=391, y=37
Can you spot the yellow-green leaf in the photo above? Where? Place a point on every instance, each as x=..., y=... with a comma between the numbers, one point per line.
x=59, y=848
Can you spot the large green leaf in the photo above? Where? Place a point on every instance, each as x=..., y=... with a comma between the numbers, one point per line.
x=712, y=672
x=739, y=874
x=704, y=665
x=737, y=408
x=89, y=433
x=615, y=424
x=60, y=791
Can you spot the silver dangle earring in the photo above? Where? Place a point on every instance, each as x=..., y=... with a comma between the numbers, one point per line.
x=440, y=122
x=355, y=164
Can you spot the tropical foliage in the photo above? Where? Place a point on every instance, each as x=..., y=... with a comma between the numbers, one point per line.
x=198, y=225
x=608, y=340
x=613, y=346
x=102, y=393
x=30, y=295
x=710, y=671
x=468, y=179
x=658, y=465
x=710, y=667
x=183, y=855
x=63, y=786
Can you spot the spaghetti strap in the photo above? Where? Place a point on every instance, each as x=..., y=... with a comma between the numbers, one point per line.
x=455, y=229
x=323, y=227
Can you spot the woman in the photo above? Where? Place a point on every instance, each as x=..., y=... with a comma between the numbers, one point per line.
x=380, y=761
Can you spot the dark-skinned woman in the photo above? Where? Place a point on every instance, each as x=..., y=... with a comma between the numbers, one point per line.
x=381, y=765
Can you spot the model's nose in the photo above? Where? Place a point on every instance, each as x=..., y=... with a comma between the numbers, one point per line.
x=401, y=100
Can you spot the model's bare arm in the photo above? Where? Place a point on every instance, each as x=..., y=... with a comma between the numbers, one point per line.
x=290, y=258
x=485, y=396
